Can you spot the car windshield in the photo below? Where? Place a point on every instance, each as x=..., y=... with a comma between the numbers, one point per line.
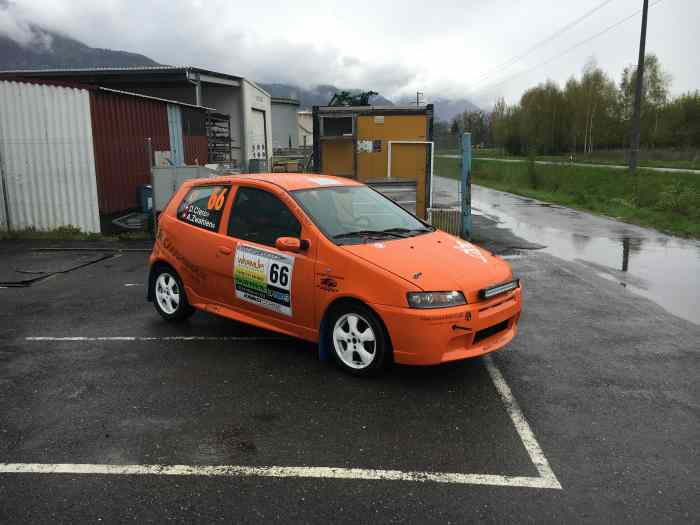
x=357, y=214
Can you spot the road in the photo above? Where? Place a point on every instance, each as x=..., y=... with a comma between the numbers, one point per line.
x=583, y=164
x=663, y=268
x=152, y=422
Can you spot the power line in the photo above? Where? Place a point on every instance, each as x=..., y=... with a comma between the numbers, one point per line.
x=539, y=44
x=566, y=52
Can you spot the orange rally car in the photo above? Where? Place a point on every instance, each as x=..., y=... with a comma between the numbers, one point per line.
x=332, y=261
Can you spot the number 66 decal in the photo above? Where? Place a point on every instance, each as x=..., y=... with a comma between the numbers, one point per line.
x=216, y=200
x=279, y=275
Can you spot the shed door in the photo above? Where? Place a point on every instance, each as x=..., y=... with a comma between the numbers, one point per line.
x=258, y=136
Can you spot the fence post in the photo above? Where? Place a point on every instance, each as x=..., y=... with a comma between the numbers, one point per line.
x=466, y=180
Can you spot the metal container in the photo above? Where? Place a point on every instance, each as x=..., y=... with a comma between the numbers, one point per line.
x=121, y=126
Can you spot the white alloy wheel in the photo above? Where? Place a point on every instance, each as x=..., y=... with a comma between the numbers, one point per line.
x=354, y=341
x=167, y=293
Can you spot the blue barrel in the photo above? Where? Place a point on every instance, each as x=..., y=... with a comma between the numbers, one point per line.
x=145, y=197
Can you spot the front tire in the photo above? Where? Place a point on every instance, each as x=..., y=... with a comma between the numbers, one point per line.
x=169, y=296
x=357, y=340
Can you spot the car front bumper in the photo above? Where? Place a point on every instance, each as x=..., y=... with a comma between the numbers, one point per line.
x=433, y=336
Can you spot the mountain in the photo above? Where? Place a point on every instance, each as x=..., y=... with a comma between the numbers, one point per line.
x=316, y=96
x=48, y=49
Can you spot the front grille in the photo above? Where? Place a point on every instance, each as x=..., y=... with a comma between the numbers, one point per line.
x=491, y=330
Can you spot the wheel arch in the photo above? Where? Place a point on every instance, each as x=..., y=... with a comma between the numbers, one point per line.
x=152, y=276
x=323, y=349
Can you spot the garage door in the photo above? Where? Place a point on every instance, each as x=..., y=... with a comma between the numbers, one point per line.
x=258, y=136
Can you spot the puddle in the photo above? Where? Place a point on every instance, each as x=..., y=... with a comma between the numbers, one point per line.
x=663, y=268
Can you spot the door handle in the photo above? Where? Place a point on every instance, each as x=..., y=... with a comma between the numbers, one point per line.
x=225, y=250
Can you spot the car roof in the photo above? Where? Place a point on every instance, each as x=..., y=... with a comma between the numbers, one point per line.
x=289, y=181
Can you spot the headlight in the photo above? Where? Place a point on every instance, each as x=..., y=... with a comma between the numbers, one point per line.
x=435, y=299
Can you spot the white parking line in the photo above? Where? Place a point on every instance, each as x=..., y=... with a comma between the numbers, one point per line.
x=521, y=425
x=164, y=338
x=234, y=471
x=546, y=479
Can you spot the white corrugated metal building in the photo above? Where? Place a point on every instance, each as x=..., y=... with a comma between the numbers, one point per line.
x=47, y=157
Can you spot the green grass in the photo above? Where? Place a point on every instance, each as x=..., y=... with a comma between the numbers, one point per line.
x=680, y=164
x=612, y=158
x=70, y=233
x=669, y=202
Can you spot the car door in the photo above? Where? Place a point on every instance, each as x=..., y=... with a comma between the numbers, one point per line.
x=258, y=279
x=194, y=242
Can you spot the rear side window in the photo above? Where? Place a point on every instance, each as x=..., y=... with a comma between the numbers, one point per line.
x=203, y=206
x=259, y=216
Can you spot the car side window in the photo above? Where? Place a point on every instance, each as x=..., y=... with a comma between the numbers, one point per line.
x=259, y=216
x=203, y=206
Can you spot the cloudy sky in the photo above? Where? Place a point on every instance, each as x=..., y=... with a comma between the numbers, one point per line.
x=474, y=49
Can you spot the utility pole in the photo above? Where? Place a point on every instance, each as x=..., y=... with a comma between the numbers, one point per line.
x=636, y=116
x=419, y=94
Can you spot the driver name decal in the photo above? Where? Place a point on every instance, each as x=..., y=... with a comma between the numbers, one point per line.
x=264, y=278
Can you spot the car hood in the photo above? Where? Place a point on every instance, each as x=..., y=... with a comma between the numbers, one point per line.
x=436, y=261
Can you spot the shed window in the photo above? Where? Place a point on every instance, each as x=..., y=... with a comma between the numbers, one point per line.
x=337, y=126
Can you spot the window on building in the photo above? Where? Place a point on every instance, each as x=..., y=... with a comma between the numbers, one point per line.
x=337, y=126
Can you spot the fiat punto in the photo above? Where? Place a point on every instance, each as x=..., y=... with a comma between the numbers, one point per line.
x=330, y=260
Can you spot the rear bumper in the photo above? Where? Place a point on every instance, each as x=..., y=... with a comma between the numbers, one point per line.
x=428, y=337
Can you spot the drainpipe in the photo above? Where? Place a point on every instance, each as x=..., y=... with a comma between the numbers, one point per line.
x=245, y=122
x=193, y=78
x=4, y=196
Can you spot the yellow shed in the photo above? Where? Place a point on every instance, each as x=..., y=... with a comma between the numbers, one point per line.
x=386, y=147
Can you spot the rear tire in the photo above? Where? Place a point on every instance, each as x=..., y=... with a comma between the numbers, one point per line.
x=357, y=340
x=169, y=297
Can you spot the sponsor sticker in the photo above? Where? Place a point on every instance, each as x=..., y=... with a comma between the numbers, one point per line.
x=264, y=278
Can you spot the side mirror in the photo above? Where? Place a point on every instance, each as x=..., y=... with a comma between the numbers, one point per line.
x=291, y=244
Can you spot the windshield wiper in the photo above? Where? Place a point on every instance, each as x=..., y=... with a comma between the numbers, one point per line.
x=400, y=233
x=367, y=233
x=406, y=232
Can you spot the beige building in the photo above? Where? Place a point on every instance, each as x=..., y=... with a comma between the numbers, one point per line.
x=306, y=128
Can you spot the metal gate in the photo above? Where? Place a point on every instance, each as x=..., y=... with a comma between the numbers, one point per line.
x=455, y=220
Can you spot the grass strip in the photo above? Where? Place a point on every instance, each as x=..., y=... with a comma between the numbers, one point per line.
x=669, y=202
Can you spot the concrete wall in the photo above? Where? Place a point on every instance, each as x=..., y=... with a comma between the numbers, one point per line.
x=226, y=99
x=284, y=125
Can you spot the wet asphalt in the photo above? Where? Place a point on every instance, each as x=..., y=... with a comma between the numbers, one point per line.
x=607, y=379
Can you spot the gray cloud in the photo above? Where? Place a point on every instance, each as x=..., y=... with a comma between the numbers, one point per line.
x=442, y=48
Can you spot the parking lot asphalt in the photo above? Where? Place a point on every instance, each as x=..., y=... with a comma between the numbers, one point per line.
x=607, y=381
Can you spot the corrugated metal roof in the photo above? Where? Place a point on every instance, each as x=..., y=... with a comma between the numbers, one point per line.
x=127, y=69
x=46, y=145
x=166, y=100
x=91, y=87
x=284, y=100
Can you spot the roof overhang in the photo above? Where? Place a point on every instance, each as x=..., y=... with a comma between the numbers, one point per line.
x=159, y=74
